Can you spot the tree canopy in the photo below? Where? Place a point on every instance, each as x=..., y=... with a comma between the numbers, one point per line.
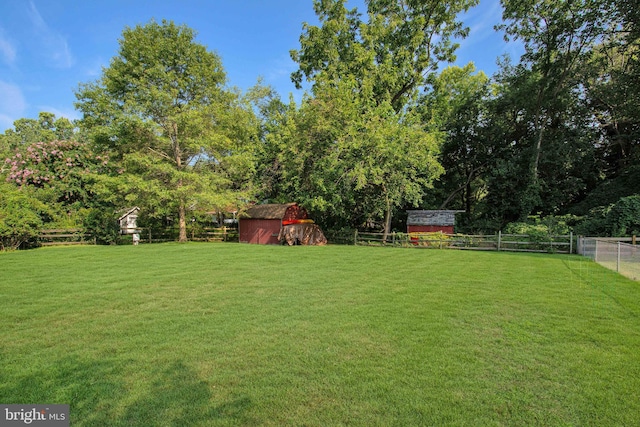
x=162, y=107
x=386, y=55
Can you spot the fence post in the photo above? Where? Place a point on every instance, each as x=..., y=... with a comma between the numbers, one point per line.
x=150, y=241
x=355, y=238
x=571, y=242
x=618, y=259
x=499, y=239
x=580, y=246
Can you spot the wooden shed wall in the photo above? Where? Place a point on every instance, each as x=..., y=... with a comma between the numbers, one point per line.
x=259, y=231
x=263, y=223
x=447, y=229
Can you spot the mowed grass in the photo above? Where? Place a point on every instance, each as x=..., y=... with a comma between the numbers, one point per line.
x=230, y=334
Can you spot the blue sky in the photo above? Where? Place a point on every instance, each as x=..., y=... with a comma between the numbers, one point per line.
x=49, y=47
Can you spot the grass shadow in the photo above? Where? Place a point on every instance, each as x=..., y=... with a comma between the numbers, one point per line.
x=99, y=395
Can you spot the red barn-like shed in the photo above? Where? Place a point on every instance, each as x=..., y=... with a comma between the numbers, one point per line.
x=431, y=221
x=261, y=224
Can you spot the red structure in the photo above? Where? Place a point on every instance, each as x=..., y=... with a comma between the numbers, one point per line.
x=446, y=229
x=262, y=223
x=430, y=221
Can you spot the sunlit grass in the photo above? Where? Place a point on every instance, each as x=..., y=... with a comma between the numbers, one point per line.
x=229, y=334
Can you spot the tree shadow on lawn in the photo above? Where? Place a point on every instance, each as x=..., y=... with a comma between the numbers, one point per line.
x=100, y=395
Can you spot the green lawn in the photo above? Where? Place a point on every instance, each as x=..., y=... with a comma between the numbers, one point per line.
x=230, y=334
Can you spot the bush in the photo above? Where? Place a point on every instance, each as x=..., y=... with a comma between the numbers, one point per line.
x=539, y=229
x=619, y=219
x=101, y=224
x=623, y=218
x=20, y=217
x=594, y=223
x=430, y=239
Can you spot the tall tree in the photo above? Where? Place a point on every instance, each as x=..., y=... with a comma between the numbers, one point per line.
x=388, y=55
x=162, y=107
x=457, y=105
x=541, y=109
x=44, y=129
x=558, y=37
x=365, y=74
x=354, y=164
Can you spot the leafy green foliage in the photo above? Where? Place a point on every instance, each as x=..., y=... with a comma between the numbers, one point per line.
x=594, y=223
x=386, y=56
x=101, y=224
x=540, y=112
x=457, y=106
x=366, y=154
x=29, y=131
x=350, y=162
x=541, y=229
x=624, y=217
x=66, y=168
x=21, y=216
x=160, y=106
x=619, y=219
x=609, y=191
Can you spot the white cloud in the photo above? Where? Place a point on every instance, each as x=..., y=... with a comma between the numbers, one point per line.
x=94, y=69
x=481, y=20
x=12, y=104
x=7, y=50
x=281, y=67
x=6, y=122
x=54, y=45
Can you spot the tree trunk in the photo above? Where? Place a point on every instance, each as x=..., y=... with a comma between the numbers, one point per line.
x=387, y=219
x=468, y=198
x=182, y=223
x=182, y=214
x=536, y=158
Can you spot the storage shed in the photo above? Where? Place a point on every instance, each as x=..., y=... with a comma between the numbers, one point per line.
x=425, y=221
x=261, y=224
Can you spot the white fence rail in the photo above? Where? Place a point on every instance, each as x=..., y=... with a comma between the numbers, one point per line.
x=614, y=254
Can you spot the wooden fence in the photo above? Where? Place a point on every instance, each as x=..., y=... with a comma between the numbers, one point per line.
x=77, y=236
x=491, y=242
x=64, y=236
x=198, y=234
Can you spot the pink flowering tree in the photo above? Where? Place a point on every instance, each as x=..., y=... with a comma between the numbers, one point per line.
x=68, y=168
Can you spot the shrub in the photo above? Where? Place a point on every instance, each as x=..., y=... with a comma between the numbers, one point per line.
x=430, y=239
x=623, y=219
x=20, y=217
x=539, y=229
x=619, y=219
x=101, y=224
x=594, y=223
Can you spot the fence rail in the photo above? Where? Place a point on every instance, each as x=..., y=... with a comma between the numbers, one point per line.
x=491, y=242
x=64, y=236
x=204, y=234
x=613, y=253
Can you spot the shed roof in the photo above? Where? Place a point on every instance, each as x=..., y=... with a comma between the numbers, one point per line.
x=432, y=217
x=268, y=211
x=128, y=212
